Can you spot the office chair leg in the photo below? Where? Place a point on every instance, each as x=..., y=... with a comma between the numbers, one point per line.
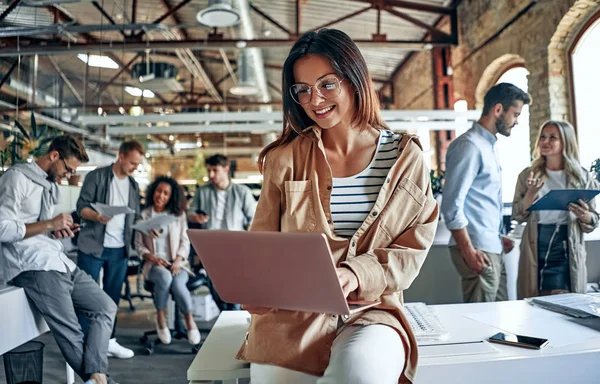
x=128, y=295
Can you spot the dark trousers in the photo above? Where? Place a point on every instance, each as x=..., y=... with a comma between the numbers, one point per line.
x=553, y=258
x=114, y=262
x=59, y=296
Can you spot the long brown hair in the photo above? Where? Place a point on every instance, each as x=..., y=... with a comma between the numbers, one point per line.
x=348, y=63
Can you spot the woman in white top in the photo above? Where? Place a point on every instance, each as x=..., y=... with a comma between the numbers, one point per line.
x=166, y=253
x=552, y=249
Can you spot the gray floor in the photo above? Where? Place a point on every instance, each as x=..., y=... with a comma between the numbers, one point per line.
x=168, y=364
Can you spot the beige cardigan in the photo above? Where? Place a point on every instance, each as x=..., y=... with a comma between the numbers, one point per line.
x=386, y=253
x=527, y=282
x=178, y=241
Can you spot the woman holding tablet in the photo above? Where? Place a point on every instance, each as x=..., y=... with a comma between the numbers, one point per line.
x=552, y=249
x=338, y=170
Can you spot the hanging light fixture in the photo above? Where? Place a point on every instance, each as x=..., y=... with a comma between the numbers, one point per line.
x=219, y=13
x=246, y=85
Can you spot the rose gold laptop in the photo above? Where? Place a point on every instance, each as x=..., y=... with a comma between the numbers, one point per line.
x=285, y=270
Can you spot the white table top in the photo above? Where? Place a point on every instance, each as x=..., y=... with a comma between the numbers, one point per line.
x=19, y=321
x=217, y=360
x=462, y=328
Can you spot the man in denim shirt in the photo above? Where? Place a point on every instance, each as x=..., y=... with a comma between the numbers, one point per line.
x=472, y=198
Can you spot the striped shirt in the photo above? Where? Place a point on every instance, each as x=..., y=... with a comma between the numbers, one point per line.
x=353, y=197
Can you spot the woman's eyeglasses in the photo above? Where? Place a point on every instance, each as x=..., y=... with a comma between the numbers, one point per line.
x=327, y=88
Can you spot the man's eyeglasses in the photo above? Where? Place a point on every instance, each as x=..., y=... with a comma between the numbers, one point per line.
x=328, y=88
x=69, y=169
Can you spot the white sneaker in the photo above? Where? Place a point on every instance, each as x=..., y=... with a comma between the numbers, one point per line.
x=164, y=334
x=118, y=351
x=194, y=336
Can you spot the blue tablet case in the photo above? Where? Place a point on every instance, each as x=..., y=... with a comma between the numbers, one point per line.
x=559, y=199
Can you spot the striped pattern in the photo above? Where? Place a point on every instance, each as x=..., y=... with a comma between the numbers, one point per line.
x=352, y=198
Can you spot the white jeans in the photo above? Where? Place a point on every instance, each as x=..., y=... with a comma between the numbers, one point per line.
x=372, y=354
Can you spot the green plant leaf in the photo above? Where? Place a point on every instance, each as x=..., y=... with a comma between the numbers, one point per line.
x=34, y=126
x=42, y=130
x=45, y=142
x=22, y=129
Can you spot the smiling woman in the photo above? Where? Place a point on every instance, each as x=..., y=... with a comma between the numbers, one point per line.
x=338, y=170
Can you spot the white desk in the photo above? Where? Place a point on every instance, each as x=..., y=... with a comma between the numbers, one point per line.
x=575, y=363
x=21, y=322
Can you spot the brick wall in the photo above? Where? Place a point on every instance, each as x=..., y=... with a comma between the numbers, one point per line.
x=523, y=36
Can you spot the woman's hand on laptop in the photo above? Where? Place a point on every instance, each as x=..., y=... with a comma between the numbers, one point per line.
x=348, y=280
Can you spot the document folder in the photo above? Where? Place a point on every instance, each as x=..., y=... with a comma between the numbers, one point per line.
x=559, y=199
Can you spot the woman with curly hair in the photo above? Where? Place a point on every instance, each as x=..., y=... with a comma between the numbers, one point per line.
x=166, y=253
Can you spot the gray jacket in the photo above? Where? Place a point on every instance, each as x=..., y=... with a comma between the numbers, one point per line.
x=96, y=189
x=239, y=206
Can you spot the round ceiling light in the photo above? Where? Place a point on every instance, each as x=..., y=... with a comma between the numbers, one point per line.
x=219, y=13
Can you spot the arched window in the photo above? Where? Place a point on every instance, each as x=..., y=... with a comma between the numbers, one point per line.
x=514, y=151
x=586, y=82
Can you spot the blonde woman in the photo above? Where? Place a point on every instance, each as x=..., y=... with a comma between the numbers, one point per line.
x=552, y=250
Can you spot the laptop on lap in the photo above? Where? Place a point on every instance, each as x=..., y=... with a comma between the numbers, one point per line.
x=285, y=270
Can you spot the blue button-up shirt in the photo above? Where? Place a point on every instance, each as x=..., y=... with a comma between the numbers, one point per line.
x=472, y=194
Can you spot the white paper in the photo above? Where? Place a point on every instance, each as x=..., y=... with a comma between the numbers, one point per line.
x=110, y=211
x=560, y=330
x=155, y=222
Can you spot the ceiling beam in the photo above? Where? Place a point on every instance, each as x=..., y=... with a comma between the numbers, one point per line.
x=65, y=79
x=274, y=87
x=133, y=12
x=7, y=74
x=63, y=17
x=181, y=31
x=228, y=66
x=434, y=32
x=10, y=8
x=56, y=48
x=454, y=29
x=118, y=74
x=107, y=16
x=269, y=19
x=410, y=5
x=346, y=17
x=164, y=16
x=199, y=104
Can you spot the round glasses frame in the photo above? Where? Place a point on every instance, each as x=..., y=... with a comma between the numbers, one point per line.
x=316, y=90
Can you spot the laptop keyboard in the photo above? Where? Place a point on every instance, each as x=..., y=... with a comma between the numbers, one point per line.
x=424, y=323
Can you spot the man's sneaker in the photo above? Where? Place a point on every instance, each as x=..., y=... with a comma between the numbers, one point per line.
x=118, y=351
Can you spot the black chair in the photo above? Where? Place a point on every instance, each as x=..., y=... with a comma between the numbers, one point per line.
x=134, y=268
x=179, y=332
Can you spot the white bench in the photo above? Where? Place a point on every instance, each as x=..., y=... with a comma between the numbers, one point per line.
x=216, y=358
x=21, y=323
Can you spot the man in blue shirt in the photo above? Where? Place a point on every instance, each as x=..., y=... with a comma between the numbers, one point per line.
x=472, y=198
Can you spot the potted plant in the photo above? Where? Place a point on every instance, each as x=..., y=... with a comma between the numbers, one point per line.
x=32, y=143
x=595, y=169
x=437, y=181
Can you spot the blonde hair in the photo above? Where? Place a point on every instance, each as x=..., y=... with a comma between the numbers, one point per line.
x=570, y=152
